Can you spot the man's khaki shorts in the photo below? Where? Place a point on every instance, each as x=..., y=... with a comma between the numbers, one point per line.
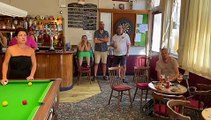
x=101, y=56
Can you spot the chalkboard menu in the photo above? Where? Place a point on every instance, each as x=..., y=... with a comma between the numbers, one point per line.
x=82, y=16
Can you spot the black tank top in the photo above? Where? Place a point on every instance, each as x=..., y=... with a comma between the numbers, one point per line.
x=19, y=67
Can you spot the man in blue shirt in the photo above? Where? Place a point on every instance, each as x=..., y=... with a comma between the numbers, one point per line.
x=101, y=37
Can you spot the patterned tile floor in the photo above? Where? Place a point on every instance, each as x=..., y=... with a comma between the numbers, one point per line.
x=97, y=108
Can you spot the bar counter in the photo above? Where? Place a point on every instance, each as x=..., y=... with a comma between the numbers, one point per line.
x=53, y=64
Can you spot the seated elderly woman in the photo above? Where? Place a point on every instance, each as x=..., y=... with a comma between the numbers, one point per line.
x=167, y=66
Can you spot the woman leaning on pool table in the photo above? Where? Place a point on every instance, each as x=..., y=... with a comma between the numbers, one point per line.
x=20, y=60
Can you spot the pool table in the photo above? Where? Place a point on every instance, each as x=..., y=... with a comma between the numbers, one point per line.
x=42, y=99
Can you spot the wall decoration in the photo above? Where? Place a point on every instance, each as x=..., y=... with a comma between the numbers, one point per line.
x=82, y=16
x=75, y=15
x=141, y=30
x=90, y=17
x=128, y=26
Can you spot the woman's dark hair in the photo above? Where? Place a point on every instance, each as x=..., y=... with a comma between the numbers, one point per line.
x=84, y=36
x=19, y=30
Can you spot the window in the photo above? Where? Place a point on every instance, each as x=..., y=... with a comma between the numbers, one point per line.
x=156, y=3
x=174, y=27
x=156, y=34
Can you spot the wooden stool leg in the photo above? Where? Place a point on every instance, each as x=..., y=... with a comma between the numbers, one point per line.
x=79, y=78
x=119, y=97
x=130, y=98
x=110, y=97
x=146, y=95
x=141, y=95
x=90, y=78
x=135, y=94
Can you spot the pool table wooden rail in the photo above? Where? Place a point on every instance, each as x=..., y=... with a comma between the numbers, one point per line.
x=47, y=110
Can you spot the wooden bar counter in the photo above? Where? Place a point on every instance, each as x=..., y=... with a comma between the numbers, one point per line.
x=53, y=64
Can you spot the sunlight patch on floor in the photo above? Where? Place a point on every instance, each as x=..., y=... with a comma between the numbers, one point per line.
x=80, y=92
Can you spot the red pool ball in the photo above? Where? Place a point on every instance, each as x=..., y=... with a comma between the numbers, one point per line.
x=24, y=102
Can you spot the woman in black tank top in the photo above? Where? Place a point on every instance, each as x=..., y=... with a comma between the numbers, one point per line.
x=20, y=60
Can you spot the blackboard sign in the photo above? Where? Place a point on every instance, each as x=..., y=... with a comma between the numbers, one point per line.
x=82, y=16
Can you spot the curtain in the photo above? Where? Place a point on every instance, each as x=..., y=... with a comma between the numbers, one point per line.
x=195, y=35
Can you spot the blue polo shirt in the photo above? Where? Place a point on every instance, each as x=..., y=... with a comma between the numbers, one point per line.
x=102, y=47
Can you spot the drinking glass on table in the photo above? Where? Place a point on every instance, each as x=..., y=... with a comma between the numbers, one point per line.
x=179, y=78
x=162, y=78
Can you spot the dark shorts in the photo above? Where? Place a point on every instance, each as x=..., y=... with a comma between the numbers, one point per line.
x=120, y=60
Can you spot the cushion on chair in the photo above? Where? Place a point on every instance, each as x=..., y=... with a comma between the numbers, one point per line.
x=195, y=104
x=121, y=87
x=161, y=111
x=142, y=85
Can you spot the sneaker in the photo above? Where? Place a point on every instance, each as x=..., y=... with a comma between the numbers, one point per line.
x=125, y=80
x=105, y=77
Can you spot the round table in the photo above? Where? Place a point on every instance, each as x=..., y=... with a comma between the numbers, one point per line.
x=173, y=89
x=206, y=114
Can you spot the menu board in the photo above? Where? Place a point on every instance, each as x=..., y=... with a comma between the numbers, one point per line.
x=75, y=15
x=82, y=16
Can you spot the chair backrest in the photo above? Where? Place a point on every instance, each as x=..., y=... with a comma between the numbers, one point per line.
x=164, y=97
x=114, y=75
x=160, y=101
x=141, y=61
x=141, y=74
x=175, y=109
x=203, y=87
x=203, y=97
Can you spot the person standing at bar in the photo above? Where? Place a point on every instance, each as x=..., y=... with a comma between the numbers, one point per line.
x=121, y=44
x=20, y=60
x=30, y=40
x=3, y=41
x=101, y=37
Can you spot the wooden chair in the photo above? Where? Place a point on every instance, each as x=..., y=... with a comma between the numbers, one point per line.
x=84, y=71
x=175, y=109
x=141, y=77
x=199, y=99
x=117, y=85
x=160, y=100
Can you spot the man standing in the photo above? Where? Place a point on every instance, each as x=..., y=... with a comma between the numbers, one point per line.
x=167, y=66
x=121, y=43
x=101, y=37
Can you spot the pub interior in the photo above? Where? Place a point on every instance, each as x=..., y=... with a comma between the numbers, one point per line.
x=180, y=26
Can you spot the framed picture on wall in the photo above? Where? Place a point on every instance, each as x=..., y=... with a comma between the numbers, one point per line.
x=121, y=0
